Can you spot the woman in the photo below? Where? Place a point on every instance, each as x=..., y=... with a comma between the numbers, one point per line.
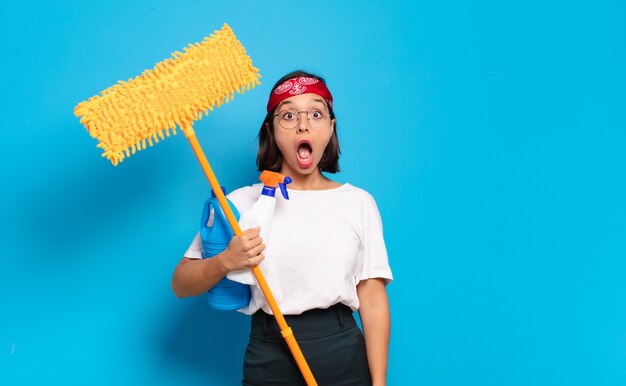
x=327, y=256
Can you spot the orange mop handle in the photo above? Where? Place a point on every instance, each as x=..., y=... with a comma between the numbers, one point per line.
x=282, y=323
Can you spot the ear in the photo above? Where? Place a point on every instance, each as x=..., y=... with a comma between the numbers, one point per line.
x=267, y=127
x=332, y=125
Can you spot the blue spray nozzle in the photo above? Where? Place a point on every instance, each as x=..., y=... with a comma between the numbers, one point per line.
x=283, y=187
x=271, y=179
x=271, y=191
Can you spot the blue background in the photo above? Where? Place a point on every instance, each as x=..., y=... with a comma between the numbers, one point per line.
x=492, y=135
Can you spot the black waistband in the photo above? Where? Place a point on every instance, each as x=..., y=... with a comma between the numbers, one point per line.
x=310, y=324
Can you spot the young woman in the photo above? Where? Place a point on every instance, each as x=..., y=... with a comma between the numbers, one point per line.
x=326, y=253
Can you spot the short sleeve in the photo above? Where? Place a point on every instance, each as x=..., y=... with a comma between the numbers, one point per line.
x=375, y=262
x=195, y=249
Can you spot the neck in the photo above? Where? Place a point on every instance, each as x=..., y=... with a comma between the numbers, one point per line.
x=312, y=181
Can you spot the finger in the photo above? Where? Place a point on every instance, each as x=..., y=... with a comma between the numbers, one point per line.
x=256, y=260
x=252, y=233
x=255, y=242
x=256, y=250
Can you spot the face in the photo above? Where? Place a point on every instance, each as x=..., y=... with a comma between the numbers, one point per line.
x=303, y=146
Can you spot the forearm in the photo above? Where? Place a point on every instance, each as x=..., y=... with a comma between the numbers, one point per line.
x=376, y=331
x=375, y=319
x=193, y=277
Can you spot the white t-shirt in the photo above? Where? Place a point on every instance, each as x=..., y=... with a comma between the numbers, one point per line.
x=322, y=244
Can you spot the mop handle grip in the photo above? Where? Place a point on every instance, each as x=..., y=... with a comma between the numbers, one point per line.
x=282, y=323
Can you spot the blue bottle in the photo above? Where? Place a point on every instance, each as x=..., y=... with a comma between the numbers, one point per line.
x=226, y=295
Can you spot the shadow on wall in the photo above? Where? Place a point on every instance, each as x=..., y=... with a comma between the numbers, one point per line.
x=203, y=343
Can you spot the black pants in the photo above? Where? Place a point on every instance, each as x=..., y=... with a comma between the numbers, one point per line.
x=330, y=340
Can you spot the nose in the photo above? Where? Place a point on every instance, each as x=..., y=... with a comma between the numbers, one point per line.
x=303, y=121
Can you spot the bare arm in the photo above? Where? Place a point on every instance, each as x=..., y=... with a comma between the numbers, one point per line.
x=375, y=319
x=194, y=277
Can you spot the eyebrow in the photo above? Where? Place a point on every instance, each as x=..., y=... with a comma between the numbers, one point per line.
x=290, y=103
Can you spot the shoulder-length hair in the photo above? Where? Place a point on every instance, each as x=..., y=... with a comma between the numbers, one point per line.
x=269, y=156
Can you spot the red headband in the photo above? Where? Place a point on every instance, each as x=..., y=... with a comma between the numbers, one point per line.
x=297, y=86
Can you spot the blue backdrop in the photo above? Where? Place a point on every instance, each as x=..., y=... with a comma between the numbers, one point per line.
x=492, y=135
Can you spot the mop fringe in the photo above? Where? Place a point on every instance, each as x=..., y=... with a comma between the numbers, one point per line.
x=175, y=93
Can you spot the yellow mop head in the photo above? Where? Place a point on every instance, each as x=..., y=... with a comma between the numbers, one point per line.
x=176, y=92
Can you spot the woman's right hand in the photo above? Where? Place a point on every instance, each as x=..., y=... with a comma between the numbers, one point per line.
x=243, y=251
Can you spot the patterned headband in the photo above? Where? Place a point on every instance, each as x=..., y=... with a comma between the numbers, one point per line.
x=297, y=86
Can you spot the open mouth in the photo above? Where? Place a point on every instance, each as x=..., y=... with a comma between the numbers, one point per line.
x=304, y=154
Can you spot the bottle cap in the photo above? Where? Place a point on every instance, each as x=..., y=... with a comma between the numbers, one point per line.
x=272, y=180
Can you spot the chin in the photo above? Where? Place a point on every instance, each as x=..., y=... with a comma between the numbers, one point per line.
x=304, y=170
x=310, y=170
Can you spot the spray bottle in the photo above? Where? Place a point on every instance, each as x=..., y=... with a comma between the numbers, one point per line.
x=260, y=215
x=216, y=234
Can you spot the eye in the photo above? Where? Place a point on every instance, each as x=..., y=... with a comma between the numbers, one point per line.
x=288, y=115
x=316, y=114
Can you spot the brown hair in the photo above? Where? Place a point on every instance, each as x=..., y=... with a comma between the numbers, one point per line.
x=269, y=157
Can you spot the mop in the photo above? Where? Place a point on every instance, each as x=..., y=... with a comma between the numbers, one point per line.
x=175, y=93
